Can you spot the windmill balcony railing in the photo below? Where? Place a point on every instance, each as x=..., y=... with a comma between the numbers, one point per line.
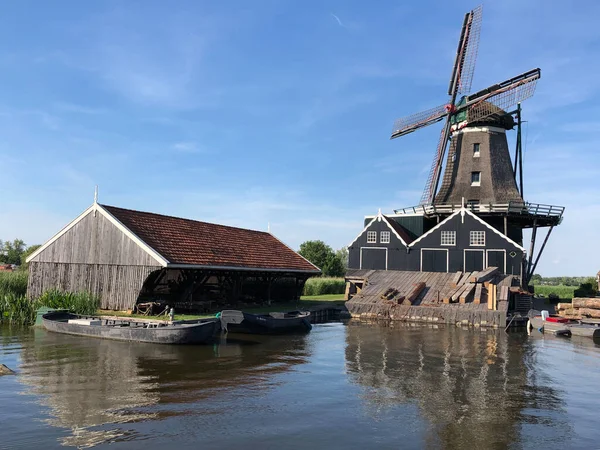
x=523, y=208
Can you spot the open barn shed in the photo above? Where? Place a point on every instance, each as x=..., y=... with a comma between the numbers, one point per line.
x=126, y=257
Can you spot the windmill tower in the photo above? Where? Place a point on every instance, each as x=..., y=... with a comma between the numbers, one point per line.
x=479, y=170
x=479, y=180
x=478, y=166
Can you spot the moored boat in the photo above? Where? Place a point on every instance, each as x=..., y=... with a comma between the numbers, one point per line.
x=564, y=327
x=181, y=332
x=272, y=323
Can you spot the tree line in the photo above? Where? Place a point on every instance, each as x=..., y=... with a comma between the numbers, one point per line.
x=16, y=252
x=332, y=263
x=537, y=279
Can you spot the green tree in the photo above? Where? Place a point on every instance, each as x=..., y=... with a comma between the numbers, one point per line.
x=316, y=252
x=342, y=254
x=323, y=256
x=12, y=251
x=536, y=279
x=26, y=253
x=334, y=267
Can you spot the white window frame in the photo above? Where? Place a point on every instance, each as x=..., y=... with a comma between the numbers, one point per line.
x=384, y=237
x=476, y=149
x=448, y=234
x=476, y=183
x=371, y=237
x=473, y=238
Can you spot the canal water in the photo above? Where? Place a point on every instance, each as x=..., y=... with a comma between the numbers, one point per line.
x=351, y=386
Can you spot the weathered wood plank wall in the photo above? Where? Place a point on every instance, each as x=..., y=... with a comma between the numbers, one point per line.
x=117, y=286
x=95, y=240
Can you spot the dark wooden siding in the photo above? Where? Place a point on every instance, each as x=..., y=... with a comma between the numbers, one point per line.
x=493, y=241
x=495, y=251
x=117, y=286
x=95, y=240
x=396, y=250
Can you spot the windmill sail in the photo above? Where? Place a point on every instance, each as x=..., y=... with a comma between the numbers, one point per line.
x=436, y=167
x=501, y=97
x=422, y=119
x=469, y=57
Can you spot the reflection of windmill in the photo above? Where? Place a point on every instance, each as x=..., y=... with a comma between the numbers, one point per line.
x=469, y=111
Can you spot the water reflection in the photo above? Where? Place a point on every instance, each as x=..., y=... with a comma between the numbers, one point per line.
x=93, y=387
x=474, y=387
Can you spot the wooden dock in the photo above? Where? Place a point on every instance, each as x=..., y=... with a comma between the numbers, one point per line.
x=479, y=299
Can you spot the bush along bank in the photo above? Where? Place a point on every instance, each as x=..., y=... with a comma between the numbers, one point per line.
x=19, y=310
x=324, y=285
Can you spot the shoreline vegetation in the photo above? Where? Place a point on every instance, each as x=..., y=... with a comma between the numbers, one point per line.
x=17, y=309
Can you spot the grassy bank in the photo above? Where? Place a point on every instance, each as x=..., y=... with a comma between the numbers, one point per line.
x=305, y=303
x=16, y=308
x=563, y=292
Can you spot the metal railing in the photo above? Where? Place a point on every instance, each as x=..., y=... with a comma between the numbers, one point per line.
x=525, y=208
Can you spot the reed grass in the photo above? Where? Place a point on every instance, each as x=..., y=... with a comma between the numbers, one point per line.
x=17, y=309
x=324, y=285
x=13, y=283
x=82, y=303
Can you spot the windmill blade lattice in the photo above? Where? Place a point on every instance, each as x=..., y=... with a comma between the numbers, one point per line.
x=428, y=192
x=411, y=123
x=469, y=57
x=502, y=100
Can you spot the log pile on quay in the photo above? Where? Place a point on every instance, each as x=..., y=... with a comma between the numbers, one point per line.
x=580, y=307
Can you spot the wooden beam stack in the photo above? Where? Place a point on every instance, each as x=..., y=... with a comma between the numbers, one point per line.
x=473, y=287
x=580, y=307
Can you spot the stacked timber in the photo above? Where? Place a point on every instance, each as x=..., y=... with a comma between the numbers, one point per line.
x=474, y=287
x=580, y=308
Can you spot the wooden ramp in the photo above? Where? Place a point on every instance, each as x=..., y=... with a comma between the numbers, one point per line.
x=471, y=298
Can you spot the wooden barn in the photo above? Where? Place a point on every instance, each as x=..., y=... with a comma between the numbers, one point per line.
x=127, y=257
x=460, y=242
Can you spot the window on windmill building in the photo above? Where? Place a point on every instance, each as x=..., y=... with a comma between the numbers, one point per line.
x=475, y=178
x=448, y=238
x=476, y=150
x=371, y=237
x=385, y=237
x=477, y=238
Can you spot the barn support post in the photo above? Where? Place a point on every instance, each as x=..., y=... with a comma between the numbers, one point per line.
x=519, y=152
x=530, y=274
x=531, y=249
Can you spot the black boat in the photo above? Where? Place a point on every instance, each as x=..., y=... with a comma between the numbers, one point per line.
x=273, y=323
x=197, y=331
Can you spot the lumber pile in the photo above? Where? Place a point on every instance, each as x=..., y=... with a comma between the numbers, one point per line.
x=394, y=295
x=474, y=287
x=580, y=307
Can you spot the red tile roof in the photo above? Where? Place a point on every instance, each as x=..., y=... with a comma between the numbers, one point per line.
x=185, y=241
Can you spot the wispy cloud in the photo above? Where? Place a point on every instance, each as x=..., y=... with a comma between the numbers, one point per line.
x=337, y=19
x=186, y=147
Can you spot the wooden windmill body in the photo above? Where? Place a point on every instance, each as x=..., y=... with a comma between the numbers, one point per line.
x=479, y=176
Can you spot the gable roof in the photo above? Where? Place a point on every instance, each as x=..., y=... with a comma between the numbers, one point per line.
x=185, y=242
x=399, y=229
x=178, y=242
x=396, y=228
x=464, y=211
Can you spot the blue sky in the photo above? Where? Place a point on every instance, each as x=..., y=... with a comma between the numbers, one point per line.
x=248, y=113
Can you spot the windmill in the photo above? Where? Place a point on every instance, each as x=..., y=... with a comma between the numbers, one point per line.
x=465, y=110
